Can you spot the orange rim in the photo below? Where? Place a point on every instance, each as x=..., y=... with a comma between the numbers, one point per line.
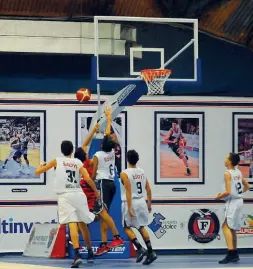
x=150, y=74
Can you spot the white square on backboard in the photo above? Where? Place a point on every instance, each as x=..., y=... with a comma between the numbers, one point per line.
x=139, y=49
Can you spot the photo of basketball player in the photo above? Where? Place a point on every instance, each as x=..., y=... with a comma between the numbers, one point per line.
x=243, y=142
x=179, y=148
x=118, y=133
x=21, y=147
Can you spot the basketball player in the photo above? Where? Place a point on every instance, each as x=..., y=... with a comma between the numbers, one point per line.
x=135, y=210
x=103, y=173
x=235, y=186
x=24, y=140
x=173, y=138
x=96, y=206
x=72, y=203
x=15, y=146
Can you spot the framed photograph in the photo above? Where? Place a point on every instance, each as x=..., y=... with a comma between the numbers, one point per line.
x=179, y=148
x=22, y=146
x=118, y=132
x=243, y=142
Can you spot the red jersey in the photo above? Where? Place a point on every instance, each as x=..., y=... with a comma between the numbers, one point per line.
x=85, y=187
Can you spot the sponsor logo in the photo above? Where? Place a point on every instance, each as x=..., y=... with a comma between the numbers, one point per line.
x=203, y=226
x=247, y=227
x=52, y=235
x=117, y=250
x=10, y=226
x=160, y=225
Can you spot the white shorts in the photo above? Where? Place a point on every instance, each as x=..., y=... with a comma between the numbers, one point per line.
x=141, y=214
x=73, y=207
x=233, y=213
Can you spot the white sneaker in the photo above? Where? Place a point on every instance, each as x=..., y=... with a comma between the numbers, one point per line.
x=28, y=170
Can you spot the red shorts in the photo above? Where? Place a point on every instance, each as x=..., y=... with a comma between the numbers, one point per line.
x=91, y=198
x=89, y=194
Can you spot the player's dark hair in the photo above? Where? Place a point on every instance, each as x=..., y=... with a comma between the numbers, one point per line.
x=80, y=154
x=234, y=158
x=67, y=147
x=132, y=157
x=175, y=121
x=107, y=144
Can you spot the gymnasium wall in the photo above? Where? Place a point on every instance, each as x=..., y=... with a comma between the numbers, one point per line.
x=184, y=209
x=226, y=69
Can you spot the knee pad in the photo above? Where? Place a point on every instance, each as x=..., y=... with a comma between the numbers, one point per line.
x=25, y=157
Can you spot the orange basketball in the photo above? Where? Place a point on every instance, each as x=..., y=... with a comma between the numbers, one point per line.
x=182, y=143
x=83, y=95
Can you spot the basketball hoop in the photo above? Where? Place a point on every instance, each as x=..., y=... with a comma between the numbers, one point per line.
x=155, y=79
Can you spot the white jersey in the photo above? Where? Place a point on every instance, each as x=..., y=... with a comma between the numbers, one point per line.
x=138, y=181
x=106, y=165
x=236, y=184
x=67, y=176
x=176, y=134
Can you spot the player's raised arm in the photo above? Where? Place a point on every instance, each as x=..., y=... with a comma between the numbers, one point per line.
x=89, y=137
x=227, y=178
x=42, y=168
x=89, y=181
x=246, y=185
x=125, y=181
x=149, y=195
x=108, y=114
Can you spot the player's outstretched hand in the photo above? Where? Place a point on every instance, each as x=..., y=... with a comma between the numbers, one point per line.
x=42, y=164
x=217, y=197
x=108, y=112
x=149, y=208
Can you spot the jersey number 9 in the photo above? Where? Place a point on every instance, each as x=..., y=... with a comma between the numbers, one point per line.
x=139, y=187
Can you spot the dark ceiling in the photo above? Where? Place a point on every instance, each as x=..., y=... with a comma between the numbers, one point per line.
x=228, y=19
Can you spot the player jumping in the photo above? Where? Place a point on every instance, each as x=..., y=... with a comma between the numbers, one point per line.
x=173, y=139
x=103, y=164
x=72, y=203
x=235, y=186
x=135, y=210
x=94, y=206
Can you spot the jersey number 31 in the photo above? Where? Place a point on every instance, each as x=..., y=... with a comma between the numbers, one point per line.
x=71, y=176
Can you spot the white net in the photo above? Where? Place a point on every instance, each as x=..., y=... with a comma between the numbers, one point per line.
x=155, y=80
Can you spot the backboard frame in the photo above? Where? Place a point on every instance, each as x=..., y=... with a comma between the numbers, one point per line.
x=193, y=42
x=133, y=49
